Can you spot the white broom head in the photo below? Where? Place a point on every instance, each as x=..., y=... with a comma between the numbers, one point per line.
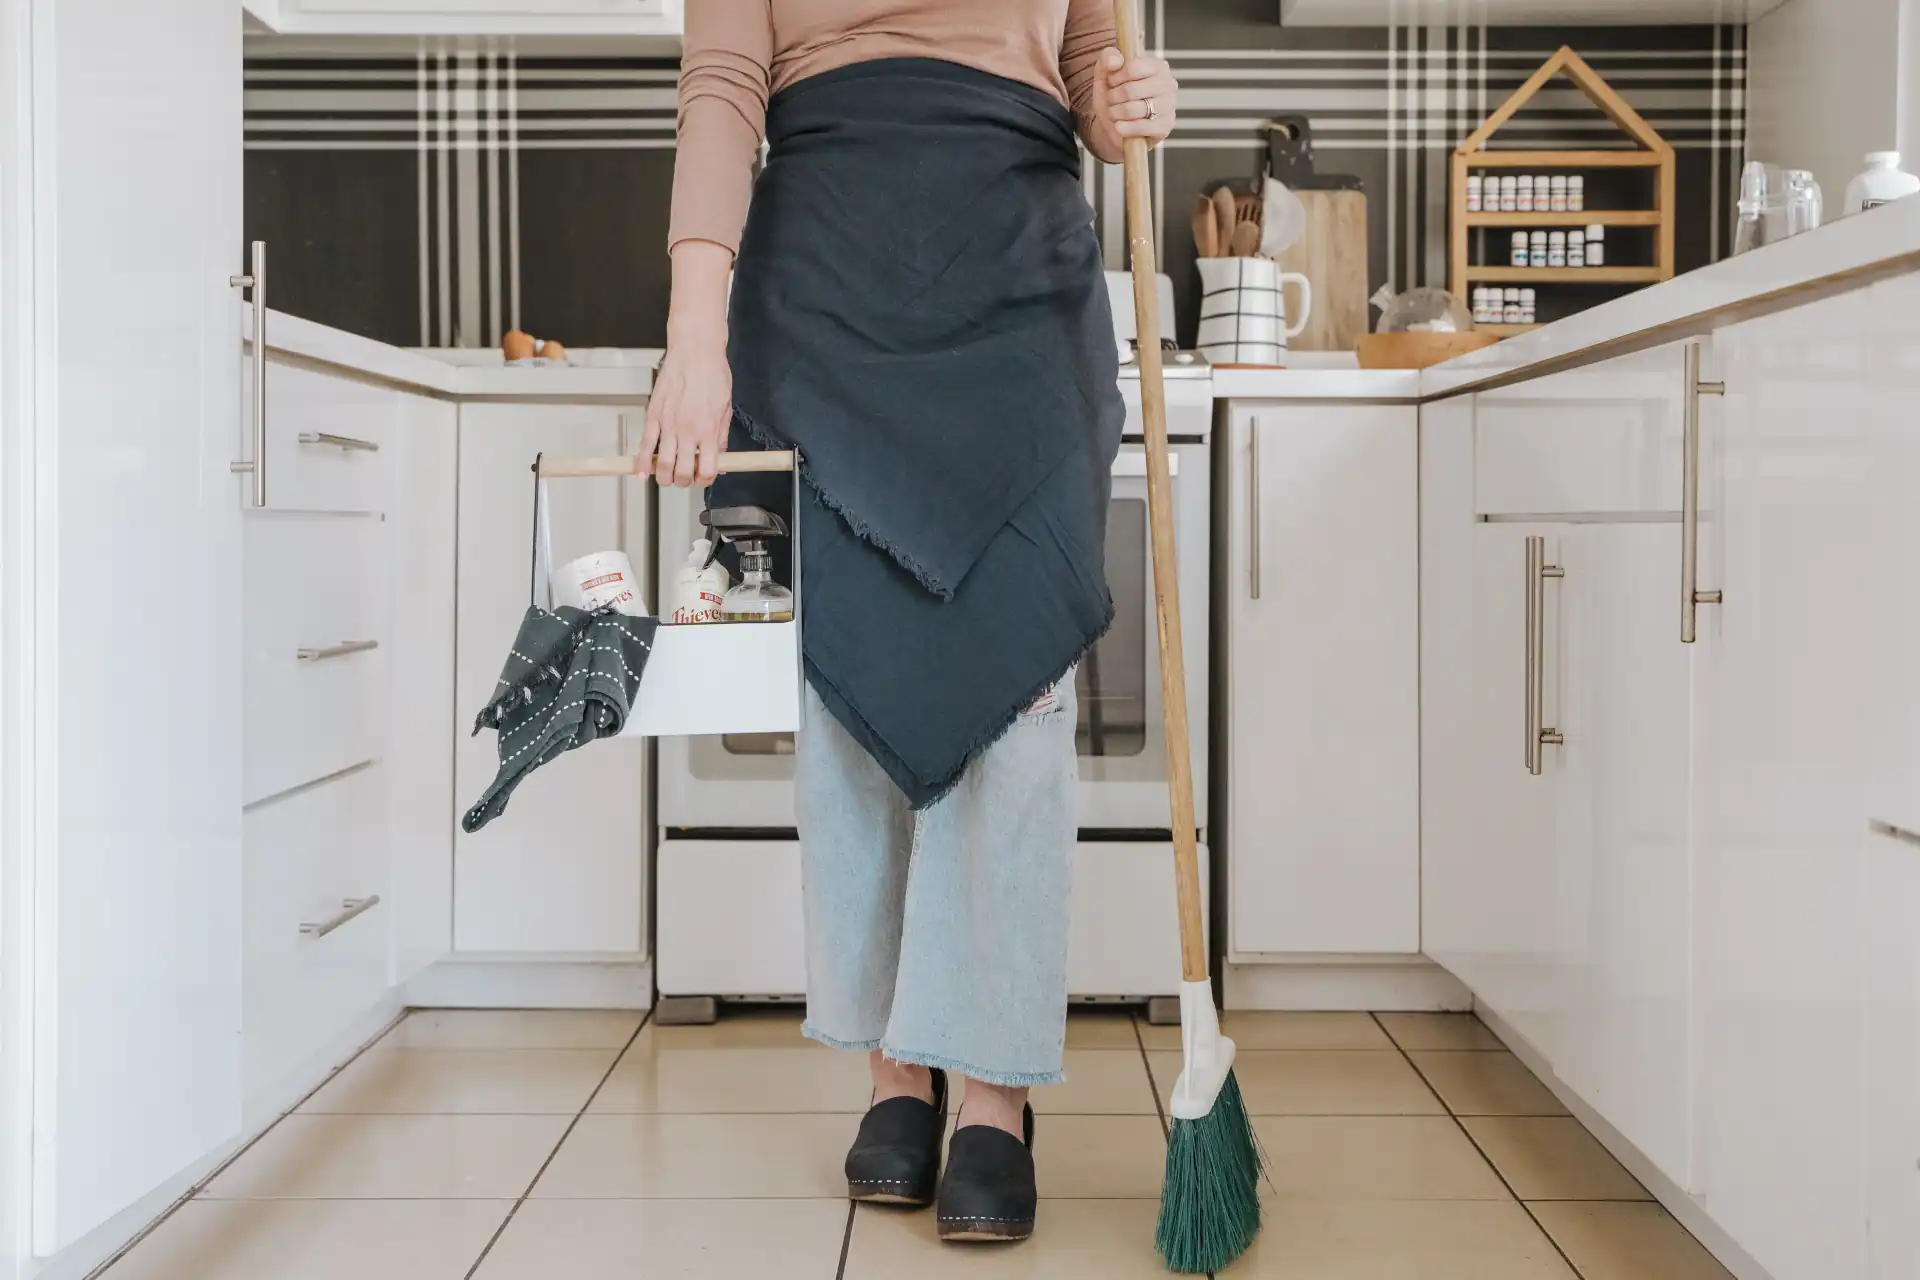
x=1208, y=1054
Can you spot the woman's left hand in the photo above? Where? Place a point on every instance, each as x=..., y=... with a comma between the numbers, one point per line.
x=1133, y=98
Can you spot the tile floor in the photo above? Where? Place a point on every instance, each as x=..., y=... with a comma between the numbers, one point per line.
x=529, y=1146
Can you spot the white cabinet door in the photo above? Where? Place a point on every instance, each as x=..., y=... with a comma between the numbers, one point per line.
x=1890, y=908
x=1600, y=440
x=563, y=869
x=1788, y=699
x=1322, y=588
x=1625, y=874
x=1489, y=826
x=135, y=984
x=422, y=722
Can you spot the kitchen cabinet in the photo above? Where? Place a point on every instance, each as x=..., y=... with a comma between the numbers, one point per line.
x=563, y=870
x=658, y=20
x=1322, y=667
x=126, y=748
x=1623, y=853
x=1725, y=907
x=420, y=532
x=1815, y=404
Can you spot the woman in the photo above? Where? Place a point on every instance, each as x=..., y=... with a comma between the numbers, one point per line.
x=917, y=304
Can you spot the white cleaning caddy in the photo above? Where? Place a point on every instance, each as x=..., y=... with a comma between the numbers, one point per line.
x=713, y=677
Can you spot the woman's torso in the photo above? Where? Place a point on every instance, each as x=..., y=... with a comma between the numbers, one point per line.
x=1018, y=39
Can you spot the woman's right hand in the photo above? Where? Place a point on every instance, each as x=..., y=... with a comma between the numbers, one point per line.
x=688, y=414
x=691, y=406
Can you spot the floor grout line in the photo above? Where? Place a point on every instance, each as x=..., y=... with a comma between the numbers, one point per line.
x=846, y=1241
x=1153, y=1085
x=1482, y=1151
x=565, y=1134
x=193, y=1192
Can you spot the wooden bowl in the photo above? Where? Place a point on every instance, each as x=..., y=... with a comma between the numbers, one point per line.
x=1417, y=350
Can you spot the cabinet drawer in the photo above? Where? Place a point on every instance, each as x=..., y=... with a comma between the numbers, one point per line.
x=1594, y=441
x=329, y=440
x=311, y=964
x=314, y=672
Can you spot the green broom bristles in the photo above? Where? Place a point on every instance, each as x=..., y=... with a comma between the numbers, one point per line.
x=1210, y=1202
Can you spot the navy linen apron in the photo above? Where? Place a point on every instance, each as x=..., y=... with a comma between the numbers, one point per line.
x=919, y=307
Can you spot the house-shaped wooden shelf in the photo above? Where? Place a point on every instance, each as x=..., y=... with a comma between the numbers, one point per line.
x=1650, y=151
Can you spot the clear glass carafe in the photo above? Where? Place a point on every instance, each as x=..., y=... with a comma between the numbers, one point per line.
x=756, y=597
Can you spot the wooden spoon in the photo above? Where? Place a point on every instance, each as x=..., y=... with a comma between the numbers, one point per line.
x=1206, y=229
x=1224, y=215
x=1246, y=239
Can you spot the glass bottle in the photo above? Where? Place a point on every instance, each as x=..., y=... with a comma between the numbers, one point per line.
x=756, y=597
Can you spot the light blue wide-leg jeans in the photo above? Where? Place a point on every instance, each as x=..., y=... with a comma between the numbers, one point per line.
x=940, y=937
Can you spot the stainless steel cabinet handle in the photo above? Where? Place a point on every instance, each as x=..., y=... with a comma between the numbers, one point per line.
x=1690, y=594
x=1253, y=507
x=1892, y=832
x=349, y=908
x=1538, y=571
x=256, y=280
x=349, y=443
x=340, y=650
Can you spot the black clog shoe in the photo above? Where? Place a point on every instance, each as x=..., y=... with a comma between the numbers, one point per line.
x=896, y=1157
x=989, y=1191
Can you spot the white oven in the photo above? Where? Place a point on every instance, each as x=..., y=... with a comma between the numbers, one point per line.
x=727, y=871
x=745, y=782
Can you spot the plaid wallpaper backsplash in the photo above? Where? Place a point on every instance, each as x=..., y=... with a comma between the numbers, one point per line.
x=441, y=196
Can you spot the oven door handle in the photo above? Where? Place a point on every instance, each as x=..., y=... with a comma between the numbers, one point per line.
x=1132, y=464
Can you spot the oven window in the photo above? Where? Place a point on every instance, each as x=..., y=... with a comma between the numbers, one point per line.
x=1112, y=679
x=758, y=744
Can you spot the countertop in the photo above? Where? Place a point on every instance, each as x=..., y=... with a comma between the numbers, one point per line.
x=447, y=374
x=1879, y=244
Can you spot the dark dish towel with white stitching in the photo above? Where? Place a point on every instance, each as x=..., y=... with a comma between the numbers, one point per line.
x=919, y=307
x=570, y=679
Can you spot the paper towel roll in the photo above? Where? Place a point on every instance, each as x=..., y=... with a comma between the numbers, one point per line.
x=602, y=580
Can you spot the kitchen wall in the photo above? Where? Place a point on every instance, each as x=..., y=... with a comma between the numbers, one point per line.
x=1828, y=85
x=439, y=195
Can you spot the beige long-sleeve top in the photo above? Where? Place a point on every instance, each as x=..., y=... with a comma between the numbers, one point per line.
x=739, y=52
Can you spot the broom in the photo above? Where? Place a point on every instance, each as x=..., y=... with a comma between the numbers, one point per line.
x=1210, y=1200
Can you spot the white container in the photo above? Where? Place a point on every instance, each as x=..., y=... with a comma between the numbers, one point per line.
x=1510, y=311
x=1537, y=253
x=698, y=588
x=1596, y=245
x=1881, y=182
x=1519, y=258
x=1243, y=310
x=1523, y=193
x=1557, y=249
x=1509, y=188
x=1529, y=300
x=1473, y=193
x=1557, y=194
x=603, y=580
x=1577, y=249
x=1576, y=194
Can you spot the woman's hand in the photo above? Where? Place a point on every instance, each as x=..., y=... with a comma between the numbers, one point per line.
x=1132, y=98
x=691, y=405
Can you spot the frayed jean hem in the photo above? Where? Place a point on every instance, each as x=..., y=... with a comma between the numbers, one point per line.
x=953, y=1066
x=815, y=1034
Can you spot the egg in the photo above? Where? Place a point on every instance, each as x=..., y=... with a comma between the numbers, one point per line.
x=517, y=345
x=553, y=351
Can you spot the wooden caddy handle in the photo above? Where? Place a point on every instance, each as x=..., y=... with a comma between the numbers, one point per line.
x=1166, y=586
x=761, y=460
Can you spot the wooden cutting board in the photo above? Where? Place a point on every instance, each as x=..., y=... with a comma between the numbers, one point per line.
x=1333, y=256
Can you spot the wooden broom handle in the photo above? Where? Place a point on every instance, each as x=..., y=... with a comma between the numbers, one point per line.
x=744, y=460
x=1166, y=585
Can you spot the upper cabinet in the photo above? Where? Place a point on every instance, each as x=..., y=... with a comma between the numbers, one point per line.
x=658, y=19
x=1512, y=13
